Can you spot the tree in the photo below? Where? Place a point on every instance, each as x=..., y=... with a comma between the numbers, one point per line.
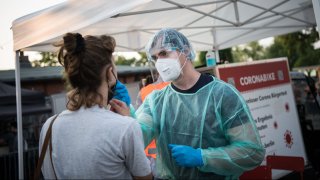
x=121, y=60
x=201, y=59
x=250, y=51
x=143, y=61
x=297, y=47
x=47, y=59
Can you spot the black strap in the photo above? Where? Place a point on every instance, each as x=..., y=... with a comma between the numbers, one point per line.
x=50, y=148
x=43, y=151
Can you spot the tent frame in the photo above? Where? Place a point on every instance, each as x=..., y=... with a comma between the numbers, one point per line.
x=19, y=115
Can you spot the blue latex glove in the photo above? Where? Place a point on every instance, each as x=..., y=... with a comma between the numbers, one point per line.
x=186, y=156
x=121, y=93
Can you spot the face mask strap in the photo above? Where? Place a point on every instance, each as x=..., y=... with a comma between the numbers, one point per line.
x=183, y=63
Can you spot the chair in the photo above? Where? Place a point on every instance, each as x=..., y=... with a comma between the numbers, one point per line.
x=261, y=172
x=286, y=163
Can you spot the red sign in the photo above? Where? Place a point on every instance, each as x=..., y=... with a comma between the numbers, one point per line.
x=255, y=76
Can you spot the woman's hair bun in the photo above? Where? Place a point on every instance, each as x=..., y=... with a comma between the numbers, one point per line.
x=74, y=43
x=109, y=43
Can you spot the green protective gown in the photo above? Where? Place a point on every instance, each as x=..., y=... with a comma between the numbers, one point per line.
x=215, y=119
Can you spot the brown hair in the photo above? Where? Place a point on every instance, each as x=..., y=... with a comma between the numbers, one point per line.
x=84, y=59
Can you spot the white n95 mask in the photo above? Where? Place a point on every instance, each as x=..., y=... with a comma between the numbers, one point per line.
x=169, y=68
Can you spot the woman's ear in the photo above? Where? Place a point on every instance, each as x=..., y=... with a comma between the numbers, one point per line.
x=114, y=69
x=110, y=77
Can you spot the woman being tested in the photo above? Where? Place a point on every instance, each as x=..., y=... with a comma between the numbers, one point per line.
x=202, y=125
x=89, y=141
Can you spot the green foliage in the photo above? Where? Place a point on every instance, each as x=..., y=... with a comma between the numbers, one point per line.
x=297, y=47
x=121, y=60
x=251, y=51
x=200, y=59
x=142, y=61
x=47, y=59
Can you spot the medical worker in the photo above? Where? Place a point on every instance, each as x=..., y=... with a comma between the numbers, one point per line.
x=202, y=125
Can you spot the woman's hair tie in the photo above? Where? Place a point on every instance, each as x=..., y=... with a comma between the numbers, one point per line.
x=80, y=44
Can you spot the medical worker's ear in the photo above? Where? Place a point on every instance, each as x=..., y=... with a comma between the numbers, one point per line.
x=186, y=51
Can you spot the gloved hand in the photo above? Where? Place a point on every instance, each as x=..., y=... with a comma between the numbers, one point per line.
x=186, y=156
x=121, y=93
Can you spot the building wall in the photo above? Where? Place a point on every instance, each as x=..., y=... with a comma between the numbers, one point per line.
x=47, y=86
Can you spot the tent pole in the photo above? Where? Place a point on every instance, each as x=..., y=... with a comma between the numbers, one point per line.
x=278, y=13
x=264, y=12
x=215, y=47
x=169, y=8
x=316, y=9
x=197, y=11
x=236, y=12
x=262, y=26
x=19, y=116
x=198, y=19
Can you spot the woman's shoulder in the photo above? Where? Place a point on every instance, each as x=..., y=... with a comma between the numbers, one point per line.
x=122, y=119
x=117, y=125
x=102, y=114
x=94, y=117
x=46, y=124
x=115, y=119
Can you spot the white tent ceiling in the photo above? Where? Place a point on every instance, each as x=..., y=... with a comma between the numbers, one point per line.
x=132, y=22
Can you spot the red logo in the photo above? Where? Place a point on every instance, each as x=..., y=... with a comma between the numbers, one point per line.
x=288, y=139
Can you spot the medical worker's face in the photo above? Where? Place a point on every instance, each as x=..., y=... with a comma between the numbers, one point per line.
x=165, y=54
x=168, y=64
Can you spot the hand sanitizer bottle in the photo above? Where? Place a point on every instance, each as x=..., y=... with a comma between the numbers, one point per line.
x=210, y=59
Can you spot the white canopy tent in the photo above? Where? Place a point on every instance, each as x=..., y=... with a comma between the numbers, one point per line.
x=132, y=22
x=208, y=24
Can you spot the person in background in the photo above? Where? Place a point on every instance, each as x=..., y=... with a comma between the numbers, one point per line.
x=147, y=87
x=158, y=85
x=202, y=126
x=10, y=138
x=88, y=140
x=142, y=84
